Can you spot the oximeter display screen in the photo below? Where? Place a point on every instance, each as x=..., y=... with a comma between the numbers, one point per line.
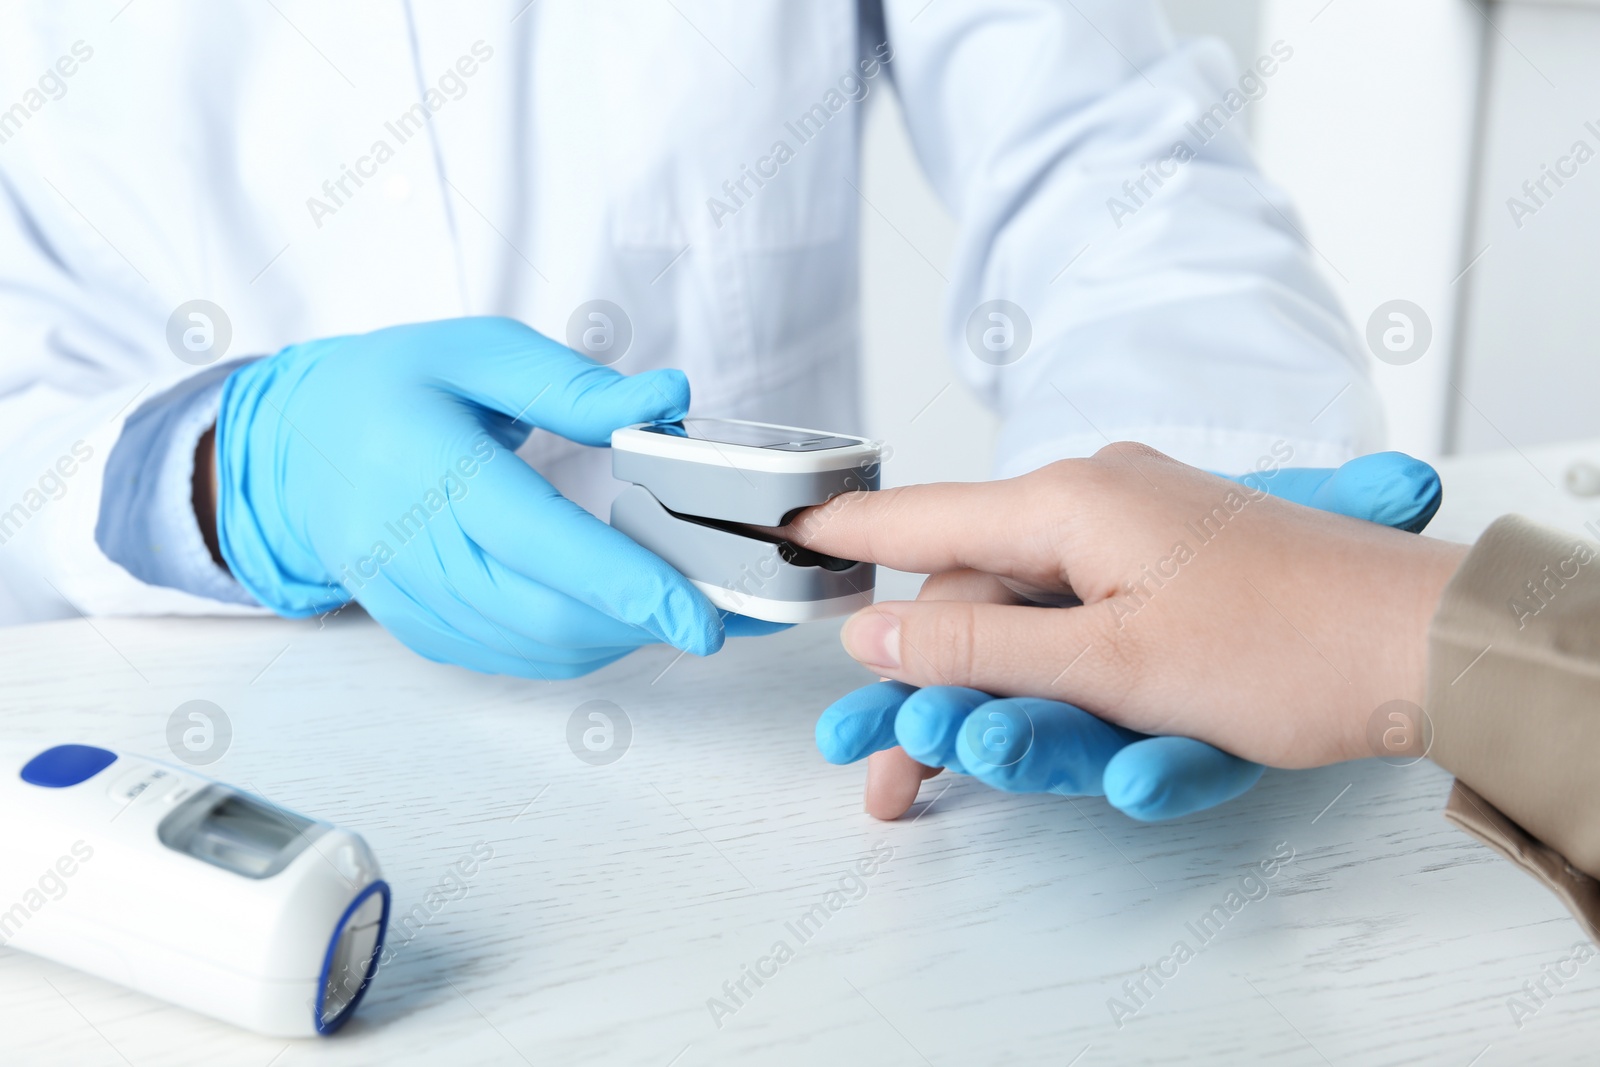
x=727, y=432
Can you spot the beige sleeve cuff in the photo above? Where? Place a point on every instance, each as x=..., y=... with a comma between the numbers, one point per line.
x=1514, y=698
x=1579, y=892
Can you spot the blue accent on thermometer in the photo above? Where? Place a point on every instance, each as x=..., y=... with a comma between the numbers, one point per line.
x=64, y=765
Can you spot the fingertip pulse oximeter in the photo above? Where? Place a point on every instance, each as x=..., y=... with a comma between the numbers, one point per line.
x=186, y=889
x=697, y=486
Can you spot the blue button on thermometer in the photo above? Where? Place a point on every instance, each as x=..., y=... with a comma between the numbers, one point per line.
x=64, y=765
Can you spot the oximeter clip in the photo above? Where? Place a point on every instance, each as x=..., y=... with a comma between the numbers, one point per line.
x=700, y=488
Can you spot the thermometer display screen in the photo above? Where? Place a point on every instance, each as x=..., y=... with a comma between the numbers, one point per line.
x=237, y=832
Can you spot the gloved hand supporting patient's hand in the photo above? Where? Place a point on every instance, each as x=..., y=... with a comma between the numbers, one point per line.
x=381, y=467
x=1067, y=750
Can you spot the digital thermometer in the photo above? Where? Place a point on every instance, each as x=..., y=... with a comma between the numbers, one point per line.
x=186, y=889
x=699, y=484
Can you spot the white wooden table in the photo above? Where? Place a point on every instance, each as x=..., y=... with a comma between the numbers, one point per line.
x=621, y=897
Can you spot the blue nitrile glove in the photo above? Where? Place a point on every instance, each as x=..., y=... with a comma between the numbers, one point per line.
x=381, y=467
x=1030, y=745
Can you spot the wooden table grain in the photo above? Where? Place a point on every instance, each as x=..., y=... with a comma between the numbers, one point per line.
x=715, y=895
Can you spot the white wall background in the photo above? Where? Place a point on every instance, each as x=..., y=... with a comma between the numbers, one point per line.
x=1528, y=370
x=1372, y=135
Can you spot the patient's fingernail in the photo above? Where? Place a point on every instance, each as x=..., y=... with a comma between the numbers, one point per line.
x=873, y=638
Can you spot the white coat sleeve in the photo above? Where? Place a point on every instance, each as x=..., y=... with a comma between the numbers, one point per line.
x=82, y=348
x=1099, y=178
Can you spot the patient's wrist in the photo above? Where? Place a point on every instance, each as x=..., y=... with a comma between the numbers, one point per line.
x=1419, y=576
x=205, y=492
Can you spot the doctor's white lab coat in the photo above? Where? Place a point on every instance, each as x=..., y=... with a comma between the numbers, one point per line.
x=316, y=169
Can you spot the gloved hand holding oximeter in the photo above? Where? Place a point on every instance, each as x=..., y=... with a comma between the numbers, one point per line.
x=380, y=467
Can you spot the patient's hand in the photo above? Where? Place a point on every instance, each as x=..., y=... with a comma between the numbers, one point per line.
x=1209, y=610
